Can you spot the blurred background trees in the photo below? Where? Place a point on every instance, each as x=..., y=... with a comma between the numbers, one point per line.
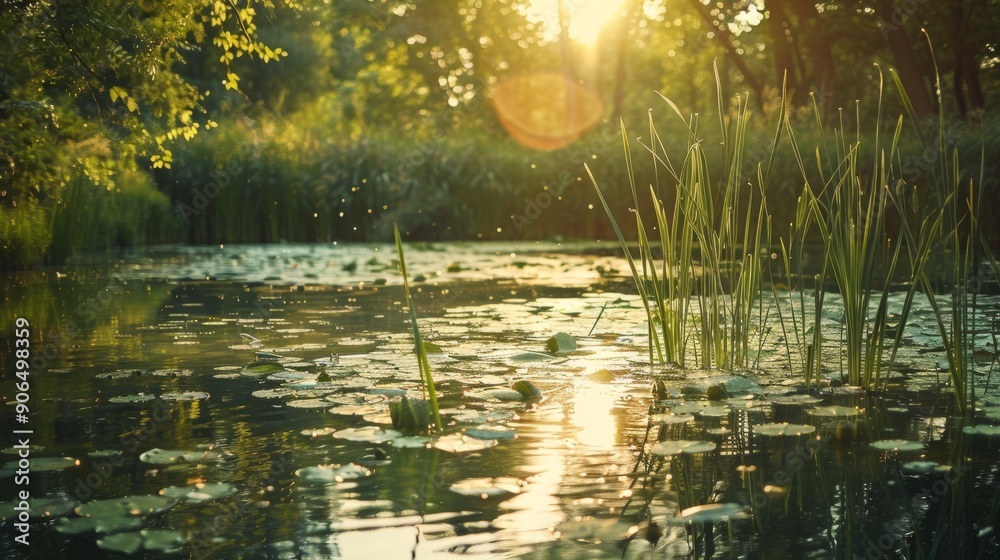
x=124, y=122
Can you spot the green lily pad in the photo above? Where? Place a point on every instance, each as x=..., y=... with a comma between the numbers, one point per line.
x=833, y=412
x=676, y=447
x=332, y=473
x=924, y=467
x=982, y=430
x=530, y=357
x=39, y=509
x=132, y=505
x=52, y=464
x=121, y=374
x=123, y=543
x=157, y=456
x=898, y=445
x=260, y=369
x=152, y=540
x=308, y=403
x=318, y=432
x=560, y=343
x=170, y=373
x=527, y=390
x=783, y=429
x=185, y=396
x=200, y=492
x=713, y=513
x=141, y=397
x=370, y=434
x=670, y=418
x=109, y=524
x=458, y=443
x=487, y=487
x=49, y=508
x=411, y=442
x=491, y=431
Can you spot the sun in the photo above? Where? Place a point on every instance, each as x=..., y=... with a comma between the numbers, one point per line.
x=586, y=17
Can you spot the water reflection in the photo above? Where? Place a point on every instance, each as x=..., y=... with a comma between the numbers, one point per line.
x=151, y=339
x=593, y=413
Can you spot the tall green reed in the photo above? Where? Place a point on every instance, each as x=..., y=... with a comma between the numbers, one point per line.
x=719, y=289
x=959, y=199
x=426, y=379
x=853, y=205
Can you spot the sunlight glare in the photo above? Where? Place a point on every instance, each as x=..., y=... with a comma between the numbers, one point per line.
x=589, y=19
x=592, y=414
x=586, y=17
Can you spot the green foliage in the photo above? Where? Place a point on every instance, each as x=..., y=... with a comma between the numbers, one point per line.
x=103, y=211
x=24, y=235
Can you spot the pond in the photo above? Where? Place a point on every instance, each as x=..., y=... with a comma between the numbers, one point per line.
x=233, y=402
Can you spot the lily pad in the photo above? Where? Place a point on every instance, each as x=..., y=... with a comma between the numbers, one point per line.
x=411, y=442
x=308, y=403
x=487, y=487
x=713, y=513
x=170, y=373
x=261, y=369
x=669, y=418
x=491, y=431
x=676, y=447
x=318, y=432
x=110, y=524
x=982, y=430
x=332, y=473
x=132, y=505
x=560, y=343
x=200, y=492
x=783, y=429
x=52, y=464
x=530, y=357
x=370, y=434
x=141, y=397
x=898, y=445
x=40, y=509
x=527, y=390
x=833, y=412
x=185, y=396
x=157, y=456
x=121, y=374
x=152, y=540
x=458, y=443
x=924, y=467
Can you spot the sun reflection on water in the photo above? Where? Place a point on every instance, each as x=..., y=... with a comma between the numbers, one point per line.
x=593, y=405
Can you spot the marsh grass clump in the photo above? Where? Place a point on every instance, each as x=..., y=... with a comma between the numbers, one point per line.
x=711, y=300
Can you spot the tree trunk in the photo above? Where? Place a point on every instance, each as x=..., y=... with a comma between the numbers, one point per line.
x=910, y=73
x=780, y=29
x=726, y=38
x=818, y=43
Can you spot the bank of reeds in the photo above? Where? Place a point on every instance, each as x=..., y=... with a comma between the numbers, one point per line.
x=881, y=221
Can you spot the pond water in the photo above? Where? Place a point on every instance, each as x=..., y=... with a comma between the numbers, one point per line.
x=177, y=409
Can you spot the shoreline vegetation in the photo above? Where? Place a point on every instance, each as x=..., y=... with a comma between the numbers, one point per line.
x=239, y=184
x=215, y=122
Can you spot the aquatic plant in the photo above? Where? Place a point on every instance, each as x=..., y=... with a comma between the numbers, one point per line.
x=959, y=200
x=720, y=289
x=408, y=412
